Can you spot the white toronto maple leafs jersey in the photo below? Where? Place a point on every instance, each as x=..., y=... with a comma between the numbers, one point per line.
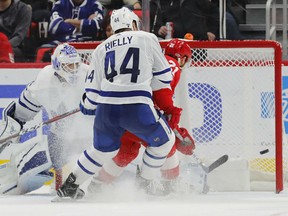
x=50, y=92
x=125, y=69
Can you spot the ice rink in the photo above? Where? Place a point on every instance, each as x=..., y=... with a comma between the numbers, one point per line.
x=131, y=203
x=123, y=199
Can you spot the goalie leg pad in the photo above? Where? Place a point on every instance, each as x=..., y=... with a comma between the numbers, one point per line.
x=28, y=183
x=32, y=167
x=28, y=167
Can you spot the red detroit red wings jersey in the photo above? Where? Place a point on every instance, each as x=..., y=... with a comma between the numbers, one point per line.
x=176, y=71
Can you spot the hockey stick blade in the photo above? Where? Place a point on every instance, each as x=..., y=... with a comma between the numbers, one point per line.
x=223, y=159
x=35, y=127
x=212, y=166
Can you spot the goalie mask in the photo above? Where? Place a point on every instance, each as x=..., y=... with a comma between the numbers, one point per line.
x=123, y=18
x=66, y=61
x=180, y=50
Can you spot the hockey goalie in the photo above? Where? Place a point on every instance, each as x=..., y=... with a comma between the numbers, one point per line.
x=57, y=89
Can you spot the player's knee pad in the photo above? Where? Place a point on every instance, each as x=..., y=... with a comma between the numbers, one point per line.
x=166, y=147
x=158, y=155
x=154, y=158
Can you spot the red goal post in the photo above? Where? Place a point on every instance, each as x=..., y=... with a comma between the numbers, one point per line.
x=232, y=101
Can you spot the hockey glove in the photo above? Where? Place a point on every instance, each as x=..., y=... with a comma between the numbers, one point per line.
x=163, y=100
x=184, y=142
x=173, y=115
x=83, y=106
x=10, y=111
x=8, y=128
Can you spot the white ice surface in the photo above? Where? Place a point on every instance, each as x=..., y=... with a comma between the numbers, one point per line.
x=125, y=202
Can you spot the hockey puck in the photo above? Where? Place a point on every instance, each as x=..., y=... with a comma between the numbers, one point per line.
x=264, y=151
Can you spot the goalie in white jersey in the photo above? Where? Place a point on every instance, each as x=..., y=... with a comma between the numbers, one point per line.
x=58, y=88
x=124, y=70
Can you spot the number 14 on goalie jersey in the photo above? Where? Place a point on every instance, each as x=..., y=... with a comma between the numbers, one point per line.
x=120, y=70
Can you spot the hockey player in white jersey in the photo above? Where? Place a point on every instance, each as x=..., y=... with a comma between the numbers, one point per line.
x=124, y=70
x=58, y=88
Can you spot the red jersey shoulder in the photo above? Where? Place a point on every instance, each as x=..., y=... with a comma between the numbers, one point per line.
x=176, y=71
x=174, y=65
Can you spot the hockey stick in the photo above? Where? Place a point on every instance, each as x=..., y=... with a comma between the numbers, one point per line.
x=35, y=127
x=221, y=160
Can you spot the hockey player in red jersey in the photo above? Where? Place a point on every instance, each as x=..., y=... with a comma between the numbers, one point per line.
x=178, y=54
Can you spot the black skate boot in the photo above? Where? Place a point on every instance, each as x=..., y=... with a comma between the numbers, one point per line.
x=70, y=189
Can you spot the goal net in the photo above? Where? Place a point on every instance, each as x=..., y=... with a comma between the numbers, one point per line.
x=231, y=99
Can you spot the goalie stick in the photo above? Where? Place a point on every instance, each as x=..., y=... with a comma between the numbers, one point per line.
x=35, y=127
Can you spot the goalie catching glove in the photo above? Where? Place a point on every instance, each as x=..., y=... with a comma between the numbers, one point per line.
x=184, y=142
x=9, y=124
x=10, y=111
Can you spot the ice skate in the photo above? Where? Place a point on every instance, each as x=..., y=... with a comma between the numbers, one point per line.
x=70, y=189
x=94, y=187
x=151, y=187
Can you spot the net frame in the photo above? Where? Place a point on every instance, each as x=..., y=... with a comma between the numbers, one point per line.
x=85, y=49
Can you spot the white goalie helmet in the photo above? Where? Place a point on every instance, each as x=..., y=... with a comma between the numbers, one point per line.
x=123, y=18
x=66, y=61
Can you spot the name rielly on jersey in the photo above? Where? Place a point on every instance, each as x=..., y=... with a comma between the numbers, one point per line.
x=118, y=42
